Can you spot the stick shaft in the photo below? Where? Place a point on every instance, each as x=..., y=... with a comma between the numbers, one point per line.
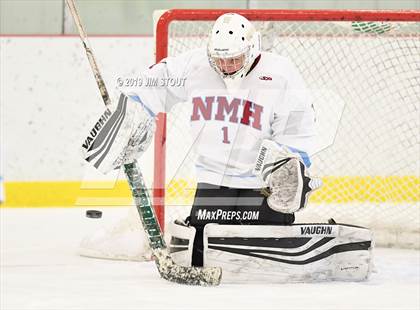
x=98, y=77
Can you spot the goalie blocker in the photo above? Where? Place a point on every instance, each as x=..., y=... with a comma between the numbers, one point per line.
x=121, y=134
x=303, y=253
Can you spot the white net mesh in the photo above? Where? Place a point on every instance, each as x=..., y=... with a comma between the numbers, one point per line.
x=364, y=77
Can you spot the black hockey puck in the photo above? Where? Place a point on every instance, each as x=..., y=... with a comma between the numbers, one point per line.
x=94, y=214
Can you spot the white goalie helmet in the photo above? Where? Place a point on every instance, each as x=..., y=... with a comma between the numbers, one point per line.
x=233, y=46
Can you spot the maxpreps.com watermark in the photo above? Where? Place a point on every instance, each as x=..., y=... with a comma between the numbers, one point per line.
x=151, y=82
x=204, y=214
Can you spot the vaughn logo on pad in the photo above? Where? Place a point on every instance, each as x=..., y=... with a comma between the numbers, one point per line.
x=96, y=129
x=261, y=158
x=316, y=230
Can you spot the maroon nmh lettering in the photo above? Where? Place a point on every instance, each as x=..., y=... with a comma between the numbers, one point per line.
x=224, y=108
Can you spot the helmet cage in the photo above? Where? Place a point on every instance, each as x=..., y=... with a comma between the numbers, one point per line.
x=213, y=57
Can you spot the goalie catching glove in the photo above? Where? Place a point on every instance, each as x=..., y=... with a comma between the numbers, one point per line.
x=120, y=135
x=286, y=176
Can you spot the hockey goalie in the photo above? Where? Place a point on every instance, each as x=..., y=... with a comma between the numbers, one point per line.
x=253, y=127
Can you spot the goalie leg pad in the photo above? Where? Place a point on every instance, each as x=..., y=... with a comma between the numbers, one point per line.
x=181, y=242
x=285, y=254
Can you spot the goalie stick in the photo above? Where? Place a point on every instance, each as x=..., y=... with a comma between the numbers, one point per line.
x=167, y=268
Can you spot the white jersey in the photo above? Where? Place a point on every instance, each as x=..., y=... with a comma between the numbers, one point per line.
x=228, y=126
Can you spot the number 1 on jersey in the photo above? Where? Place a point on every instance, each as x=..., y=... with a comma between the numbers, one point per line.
x=225, y=135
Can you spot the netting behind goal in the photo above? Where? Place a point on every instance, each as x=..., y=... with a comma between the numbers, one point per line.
x=363, y=71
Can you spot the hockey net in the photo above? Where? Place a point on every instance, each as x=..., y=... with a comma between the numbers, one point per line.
x=363, y=71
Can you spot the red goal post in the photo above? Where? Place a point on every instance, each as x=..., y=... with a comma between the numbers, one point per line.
x=162, y=43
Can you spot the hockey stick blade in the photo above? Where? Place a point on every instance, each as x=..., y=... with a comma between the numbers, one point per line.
x=168, y=269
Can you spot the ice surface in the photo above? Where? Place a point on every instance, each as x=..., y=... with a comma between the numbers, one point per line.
x=41, y=270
